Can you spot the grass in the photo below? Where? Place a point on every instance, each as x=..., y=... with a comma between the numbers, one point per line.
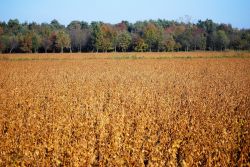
x=125, y=56
x=132, y=57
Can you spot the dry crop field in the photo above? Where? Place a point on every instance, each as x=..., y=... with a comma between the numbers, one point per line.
x=133, y=109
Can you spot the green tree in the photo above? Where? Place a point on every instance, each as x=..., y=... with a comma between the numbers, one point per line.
x=55, y=25
x=14, y=26
x=4, y=43
x=36, y=41
x=96, y=36
x=1, y=40
x=185, y=39
x=222, y=40
x=151, y=35
x=62, y=40
x=124, y=40
x=245, y=40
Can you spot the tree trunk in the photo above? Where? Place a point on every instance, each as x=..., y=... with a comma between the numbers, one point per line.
x=80, y=48
x=61, y=49
x=11, y=50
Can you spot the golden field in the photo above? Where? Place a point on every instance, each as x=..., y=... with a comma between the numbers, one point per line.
x=125, y=109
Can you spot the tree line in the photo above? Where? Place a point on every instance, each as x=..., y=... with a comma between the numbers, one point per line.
x=153, y=35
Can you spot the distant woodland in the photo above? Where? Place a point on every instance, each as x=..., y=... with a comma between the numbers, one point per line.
x=142, y=36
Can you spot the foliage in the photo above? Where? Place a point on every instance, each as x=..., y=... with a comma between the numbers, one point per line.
x=25, y=42
x=79, y=35
x=62, y=40
x=124, y=40
x=36, y=42
x=96, y=36
x=153, y=35
x=141, y=46
x=222, y=40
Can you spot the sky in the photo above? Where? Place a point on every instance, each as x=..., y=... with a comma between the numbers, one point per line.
x=235, y=12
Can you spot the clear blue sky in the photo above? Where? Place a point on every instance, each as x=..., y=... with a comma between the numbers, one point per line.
x=235, y=12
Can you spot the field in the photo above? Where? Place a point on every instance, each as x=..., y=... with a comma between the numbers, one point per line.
x=125, y=109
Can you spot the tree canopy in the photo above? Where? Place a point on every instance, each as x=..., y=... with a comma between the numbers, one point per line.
x=153, y=35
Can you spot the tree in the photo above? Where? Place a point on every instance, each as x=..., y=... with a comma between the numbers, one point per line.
x=114, y=37
x=79, y=34
x=45, y=37
x=25, y=42
x=210, y=29
x=13, y=26
x=1, y=40
x=235, y=41
x=222, y=40
x=53, y=39
x=1, y=30
x=139, y=44
x=151, y=35
x=245, y=40
x=102, y=37
x=5, y=43
x=13, y=42
x=62, y=40
x=107, y=37
x=185, y=40
x=124, y=40
x=46, y=43
x=177, y=46
x=96, y=36
x=170, y=44
x=56, y=25
x=36, y=42
x=79, y=38
x=198, y=39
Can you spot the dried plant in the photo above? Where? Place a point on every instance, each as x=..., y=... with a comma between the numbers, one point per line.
x=93, y=110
